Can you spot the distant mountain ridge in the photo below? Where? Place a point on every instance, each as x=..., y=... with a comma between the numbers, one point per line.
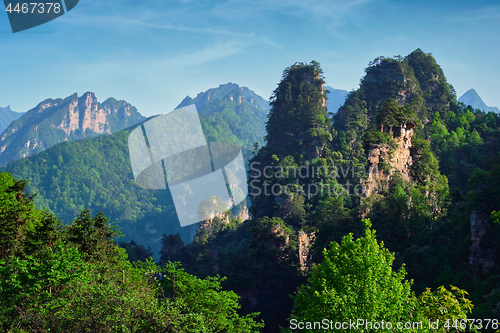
x=228, y=92
x=336, y=98
x=472, y=98
x=7, y=116
x=57, y=120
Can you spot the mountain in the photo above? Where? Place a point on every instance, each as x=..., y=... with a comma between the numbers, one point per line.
x=7, y=116
x=316, y=178
x=228, y=92
x=57, y=120
x=231, y=113
x=96, y=173
x=401, y=156
x=471, y=97
x=336, y=98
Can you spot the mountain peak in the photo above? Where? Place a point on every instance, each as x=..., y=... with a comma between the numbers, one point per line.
x=336, y=98
x=472, y=98
x=225, y=92
x=57, y=120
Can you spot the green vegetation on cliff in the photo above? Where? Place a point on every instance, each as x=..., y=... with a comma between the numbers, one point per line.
x=310, y=184
x=401, y=154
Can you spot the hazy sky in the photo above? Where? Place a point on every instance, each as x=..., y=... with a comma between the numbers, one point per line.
x=153, y=53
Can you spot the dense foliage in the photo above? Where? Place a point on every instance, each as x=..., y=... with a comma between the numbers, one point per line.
x=356, y=280
x=74, y=279
x=310, y=234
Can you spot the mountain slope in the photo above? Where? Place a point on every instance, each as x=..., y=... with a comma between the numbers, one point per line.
x=231, y=113
x=7, y=116
x=96, y=173
x=229, y=91
x=72, y=118
x=471, y=97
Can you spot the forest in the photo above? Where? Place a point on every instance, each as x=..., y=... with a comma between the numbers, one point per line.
x=416, y=249
x=96, y=173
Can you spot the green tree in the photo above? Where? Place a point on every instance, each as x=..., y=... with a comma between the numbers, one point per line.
x=74, y=279
x=92, y=235
x=356, y=281
x=17, y=214
x=203, y=305
x=475, y=139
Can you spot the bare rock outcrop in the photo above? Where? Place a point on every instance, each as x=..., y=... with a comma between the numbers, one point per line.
x=58, y=120
x=305, y=242
x=384, y=161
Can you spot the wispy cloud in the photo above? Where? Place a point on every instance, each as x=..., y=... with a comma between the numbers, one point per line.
x=156, y=66
x=151, y=20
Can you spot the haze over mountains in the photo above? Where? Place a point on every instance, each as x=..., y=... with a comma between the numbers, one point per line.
x=7, y=116
x=471, y=97
x=225, y=92
x=336, y=98
x=429, y=153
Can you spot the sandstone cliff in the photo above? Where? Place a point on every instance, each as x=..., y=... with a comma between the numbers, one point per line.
x=384, y=160
x=72, y=118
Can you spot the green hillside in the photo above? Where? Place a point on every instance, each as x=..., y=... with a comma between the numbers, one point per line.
x=73, y=278
x=96, y=173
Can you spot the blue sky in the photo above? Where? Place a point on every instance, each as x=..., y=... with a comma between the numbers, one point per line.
x=153, y=53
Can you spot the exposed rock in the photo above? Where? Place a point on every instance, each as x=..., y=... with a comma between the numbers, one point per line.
x=305, y=242
x=244, y=214
x=7, y=116
x=382, y=156
x=72, y=118
x=482, y=257
x=280, y=238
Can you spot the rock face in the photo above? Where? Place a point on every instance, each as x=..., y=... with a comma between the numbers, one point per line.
x=482, y=256
x=72, y=118
x=383, y=161
x=389, y=79
x=305, y=242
